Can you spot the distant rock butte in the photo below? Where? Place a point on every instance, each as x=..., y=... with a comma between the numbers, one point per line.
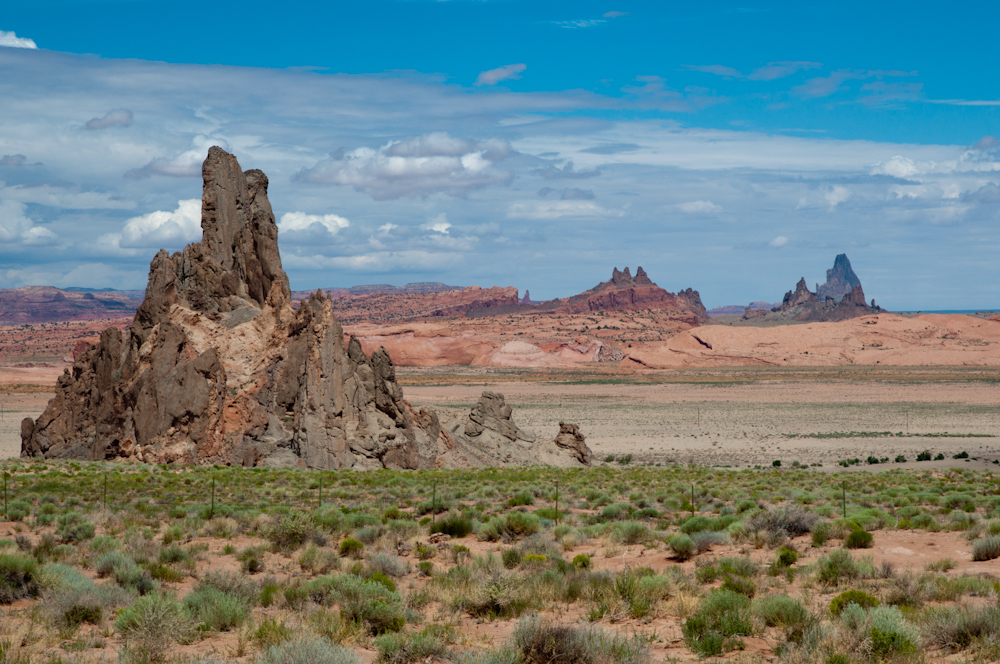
x=392, y=307
x=217, y=367
x=623, y=292
x=840, y=279
x=802, y=305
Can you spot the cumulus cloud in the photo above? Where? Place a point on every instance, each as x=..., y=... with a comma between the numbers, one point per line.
x=779, y=241
x=837, y=195
x=120, y=117
x=162, y=228
x=699, y=207
x=16, y=228
x=494, y=76
x=553, y=172
x=417, y=166
x=439, y=224
x=12, y=160
x=302, y=228
x=898, y=167
x=11, y=40
x=186, y=164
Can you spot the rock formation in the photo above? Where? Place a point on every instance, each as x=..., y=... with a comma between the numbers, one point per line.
x=217, y=367
x=488, y=436
x=44, y=304
x=526, y=300
x=802, y=305
x=623, y=292
x=840, y=279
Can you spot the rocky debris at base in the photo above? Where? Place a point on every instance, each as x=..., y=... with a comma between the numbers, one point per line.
x=570, y=438
x=488, y=436
x=218, y=368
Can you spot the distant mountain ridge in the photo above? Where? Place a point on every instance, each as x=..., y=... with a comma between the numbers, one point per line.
x=46, y=304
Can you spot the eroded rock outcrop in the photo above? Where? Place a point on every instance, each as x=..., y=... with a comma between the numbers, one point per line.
x=218, y=368
x=488, y=436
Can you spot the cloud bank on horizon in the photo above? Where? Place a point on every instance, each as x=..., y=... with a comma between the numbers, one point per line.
x=409, y=177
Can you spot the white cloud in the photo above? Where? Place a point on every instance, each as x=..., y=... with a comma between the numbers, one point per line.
x=386, y=228
x=417, y=166
x=300, y=221
x=186, y=164
x=837, y=195
x=11, y=40
x=779, y=241
x=614, y=14
x=898, y=166
x=559, y=210
x=120, y=117
x=163, y=229
x=699, y=207
x=494, y=76
x=16, y=228
x=776, y=70
x=439, y=224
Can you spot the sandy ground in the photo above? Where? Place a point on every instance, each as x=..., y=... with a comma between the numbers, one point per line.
x=752, y=424
x=15, y=406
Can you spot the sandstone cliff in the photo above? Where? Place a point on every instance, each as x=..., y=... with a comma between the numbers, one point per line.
x=217, y=367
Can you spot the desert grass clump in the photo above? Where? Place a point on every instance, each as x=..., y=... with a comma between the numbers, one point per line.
x=960, y=627
x=291, y=531
x=215, y=610
x=859, y=597
x=317, y=560
x=682, y=546
x=859, y=539
x=369, y=602
x=879, y=634
x=307, y=650
x=150, y=626
x=387, y=564
x=782, y=522
x=722, y=616
x=73, y=527
x=398, y=648
x=18, y=577
x=986, y=548
x=780, y=611
x=455, y=525
x=73, y=599
x=540, y=642
x=351, y=548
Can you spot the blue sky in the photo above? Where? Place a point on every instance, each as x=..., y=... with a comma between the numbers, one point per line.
x=730, y=147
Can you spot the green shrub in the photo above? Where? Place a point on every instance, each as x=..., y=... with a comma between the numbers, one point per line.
x=520, y=499
x=401, y=648
x=371, y=603
x=537, y=641
x=351, y=548
x=291, y=531
x=986, y=548
x=270, y=633
x=859, y=539
x=739, y=584
x=695, y=524
x=582, y=561
x=425, y=551
x=780, y=611
x=836, y=567
x=150, y=626
x=682, y=546
x=859, y=597
x=821, y=533
x=17, y=510
x=308, y=650
x=251, y=560
x=215, y=610
x=18, y=577
x=455, y=525
x=387, y=564
x=106, y=564
x=958, y=628
x=511, y=558
x=72, y=527
x=787, y=557
x=721, y=616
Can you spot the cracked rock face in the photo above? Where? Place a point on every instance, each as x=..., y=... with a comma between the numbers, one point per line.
x=217, y=368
